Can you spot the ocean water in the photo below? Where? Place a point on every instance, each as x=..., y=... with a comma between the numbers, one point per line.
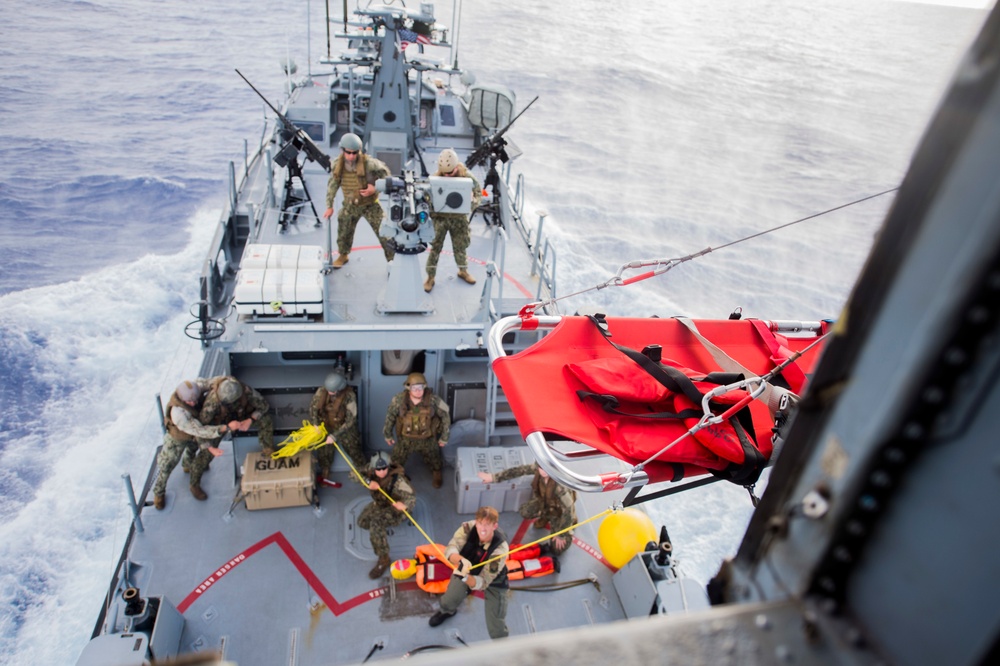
x=661, y=129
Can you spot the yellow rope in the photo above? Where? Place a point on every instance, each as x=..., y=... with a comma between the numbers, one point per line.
x=433, y=543
x=413, y=520
x=545, y=538
x=307, y=438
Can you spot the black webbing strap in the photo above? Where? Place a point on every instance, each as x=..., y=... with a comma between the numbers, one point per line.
x=610, y=404
x=676, y=381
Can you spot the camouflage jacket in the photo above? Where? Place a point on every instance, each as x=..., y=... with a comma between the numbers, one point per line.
x=345, y=412
x=400, y=405
x=368, y=169
x=395, y=484
x=556, y=499
x=250, y=405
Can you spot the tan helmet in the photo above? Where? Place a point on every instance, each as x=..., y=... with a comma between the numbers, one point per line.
x=188, y=391
x=415, y=378
x=230, y=390
x=447, y=160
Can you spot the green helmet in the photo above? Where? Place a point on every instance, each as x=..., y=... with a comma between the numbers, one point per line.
x=350, y=141
x=335, y=382
x=230, y=390
x=378, y=462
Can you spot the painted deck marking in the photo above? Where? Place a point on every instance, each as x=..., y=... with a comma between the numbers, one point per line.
x=310, y=577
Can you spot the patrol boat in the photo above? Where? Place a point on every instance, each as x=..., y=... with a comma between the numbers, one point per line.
x=272, y=567
x=886, y=447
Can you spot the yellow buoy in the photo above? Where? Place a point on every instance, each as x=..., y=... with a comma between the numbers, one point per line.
x=624, y=534
x=403, y=569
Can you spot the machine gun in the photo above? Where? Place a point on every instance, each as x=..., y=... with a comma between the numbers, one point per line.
x=494, y=148
x=295, y=141
x=294, y=134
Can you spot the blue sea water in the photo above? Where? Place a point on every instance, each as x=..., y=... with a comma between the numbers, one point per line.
x=661, y=129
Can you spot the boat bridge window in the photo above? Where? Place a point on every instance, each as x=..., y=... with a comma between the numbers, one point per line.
x=316, y=131
x=425, y=115
x=343, y=117
x=402, y=361
x=447, y=115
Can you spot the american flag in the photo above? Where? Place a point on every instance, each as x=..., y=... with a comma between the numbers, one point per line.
x=407, y=37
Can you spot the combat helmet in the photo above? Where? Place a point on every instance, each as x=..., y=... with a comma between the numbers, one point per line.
x=447, y=160
x=378, y=462
x=415, y=378
x=335, y=381
x=188, y=391
x=350, y=141
x=230, y=390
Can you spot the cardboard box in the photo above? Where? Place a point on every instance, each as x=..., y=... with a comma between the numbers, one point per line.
x=274, y=484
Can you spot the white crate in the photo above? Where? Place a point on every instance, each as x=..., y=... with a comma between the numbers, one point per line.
x=262, y=255
x=471, y=492
x=298, y=291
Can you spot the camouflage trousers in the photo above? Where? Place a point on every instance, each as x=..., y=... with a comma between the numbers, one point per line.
x=428, y=448
x=347, y=223
x=265, y=431
x=195, y=458
x=496, y=605
x=535, y=509
x=377, y=518
x=350, y=442
x=458, y=227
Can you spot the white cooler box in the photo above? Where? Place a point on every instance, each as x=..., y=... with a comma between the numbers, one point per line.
x=282, y=256
x=470, y=491
x=274, y=484
x=276, y=291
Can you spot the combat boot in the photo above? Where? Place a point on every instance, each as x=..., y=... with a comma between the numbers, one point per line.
x=436, y=479
x=159, y=501
x=198, y=493
x=464, y=274
x=341, y=260
x=429, y=283
x=438, y=618
x=186, y=467
x=380, y=567
x=324, y=472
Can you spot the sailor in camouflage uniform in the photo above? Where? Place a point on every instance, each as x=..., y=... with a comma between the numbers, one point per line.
x=421, y=422
x=335, y=406
x=380, y=515
x=551, y=504
x=456, y=224
x=231, y=401
x=355, y=173
x=187, y=437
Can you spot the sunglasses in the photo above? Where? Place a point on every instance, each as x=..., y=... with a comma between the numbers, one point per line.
x=350, y=152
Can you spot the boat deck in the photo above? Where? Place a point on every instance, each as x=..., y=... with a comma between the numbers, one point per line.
x=304, y=571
